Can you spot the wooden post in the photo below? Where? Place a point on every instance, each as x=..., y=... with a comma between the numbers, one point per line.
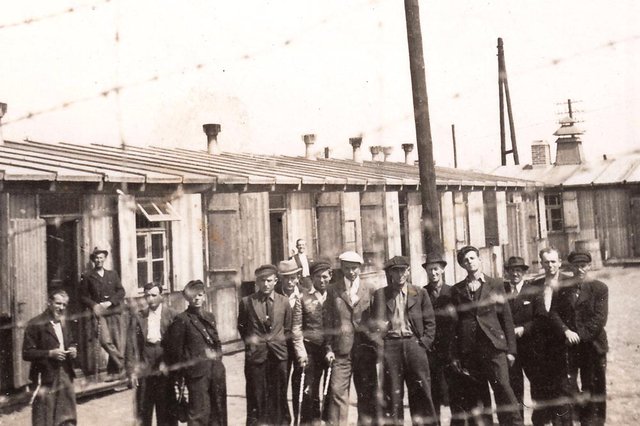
x=503, y=91
x=430, y=201
x=455, y=151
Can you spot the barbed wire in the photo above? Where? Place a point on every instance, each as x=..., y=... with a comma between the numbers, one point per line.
x=67, y=11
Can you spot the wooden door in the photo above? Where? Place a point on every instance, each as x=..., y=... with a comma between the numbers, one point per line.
x=635, y=225
x=28, y=254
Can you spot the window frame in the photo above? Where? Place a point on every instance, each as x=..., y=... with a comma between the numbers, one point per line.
x=556, y=207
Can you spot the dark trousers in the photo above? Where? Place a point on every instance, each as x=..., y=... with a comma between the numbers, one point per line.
x=405, y=361
x=267, y=392
x=524, y=365
x=439, y=384
x=361, y=364
x=590, y=402
x=466, y=396
x=111, y=338
x=55, y=403
x=154, y=389
x=549, y=384
x=292, y=364
x=208, y=396
x=487, y=364
x=313, y=374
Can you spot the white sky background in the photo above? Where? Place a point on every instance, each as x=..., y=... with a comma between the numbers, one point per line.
x=344, y=71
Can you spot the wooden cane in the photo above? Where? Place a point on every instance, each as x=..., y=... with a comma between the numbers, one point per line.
x=300, y=396
x=325, y=391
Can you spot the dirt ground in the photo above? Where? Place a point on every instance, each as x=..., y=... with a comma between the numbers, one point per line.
x=623, y=375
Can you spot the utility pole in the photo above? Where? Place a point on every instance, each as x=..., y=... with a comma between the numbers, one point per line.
x=429, y=195
x=503, y=91
x=455, y=150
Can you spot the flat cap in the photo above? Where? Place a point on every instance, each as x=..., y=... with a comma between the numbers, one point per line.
x=579, y=256
x=351, y=256
x=516, y=262
x=96, y=251
x=193, y=286
x=397, y=262
x=463, y=252
x=435, y=258
x=319, y=267
x=266, y=270
x=288, y=267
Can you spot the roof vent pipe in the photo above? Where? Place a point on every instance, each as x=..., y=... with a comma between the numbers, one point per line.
x=3, y=111
x=387, y=150
x=356, y=143
x=407, y=148
x=309, y=140
x=212, y=130
x=375, y=152
x=327, y=152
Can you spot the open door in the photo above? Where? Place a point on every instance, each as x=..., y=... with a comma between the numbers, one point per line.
x=28, y=277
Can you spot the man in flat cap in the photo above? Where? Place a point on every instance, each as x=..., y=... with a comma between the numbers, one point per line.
x=288, y=286
x=583, y=309
x=407, y=327
x=312, y=303
x=349, y=344
x=485, y=343
x=440, y=295
x=102, y=293
x=264, y=323
x=521, y=296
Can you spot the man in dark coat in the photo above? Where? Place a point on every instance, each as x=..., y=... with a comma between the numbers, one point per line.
x=406, y=327
x=193, y=350
x=264, y=323
x=521, y=296
x=102, y=293
x=485, y=343
x=349, y=343
x=583, y=309
x=51, y=348
x=154, y=387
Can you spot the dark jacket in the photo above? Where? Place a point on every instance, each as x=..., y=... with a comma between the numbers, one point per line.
x=39, y=339
x=141, y=327
x=260, y=339
x=521, y=306
x=187, y=340
x=96, y=289
x=491, y=312
x=444, y=320
x=312, y=313
x=421, y=318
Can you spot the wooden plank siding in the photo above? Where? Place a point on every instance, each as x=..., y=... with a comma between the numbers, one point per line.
x=301, y=222
x=613, y=214
x=187, y=241
x=254, y=232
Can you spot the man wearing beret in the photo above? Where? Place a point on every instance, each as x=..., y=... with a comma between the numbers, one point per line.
x=521, y=296
x=349, y=344
x=264, y=323
x=407, y=327
x=102, y=293
x=485, y=342
x=583, y=309
x=312, y=303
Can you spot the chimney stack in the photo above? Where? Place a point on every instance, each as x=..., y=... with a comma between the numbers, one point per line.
x=327, y=152
x=375, y=152
x=212, y=130
x=387, y=150
x=407, y=148
x=309, y=140
x=356, y=143
x=3, y=111
x=540, y=153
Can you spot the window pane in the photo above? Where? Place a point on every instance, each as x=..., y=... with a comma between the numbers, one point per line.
x=142, y=274
x=157, y=249
x=158, y=272
x=141, y=246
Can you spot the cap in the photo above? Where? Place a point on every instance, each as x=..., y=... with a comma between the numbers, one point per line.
x=319, y=267
x=288, y=267
x=96, y=251
x=266, y=270
x=397, y=262
x=463, y=252
x=435, y=258
x=516, y=262
x=579, y=256
x=351, y=256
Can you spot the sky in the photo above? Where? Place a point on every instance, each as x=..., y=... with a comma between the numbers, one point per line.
x=271, y=71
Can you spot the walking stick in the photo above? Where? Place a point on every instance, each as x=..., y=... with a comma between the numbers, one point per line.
x=97, y=348
x=300, y=396
x=327, y=379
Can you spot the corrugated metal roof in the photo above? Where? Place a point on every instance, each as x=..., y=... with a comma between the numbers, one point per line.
x=36, y=161
x=605, y=172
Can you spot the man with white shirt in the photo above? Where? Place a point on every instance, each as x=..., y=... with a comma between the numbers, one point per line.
x=349, y=343
x=154, y=388
x=303, y=263
x=50, y=347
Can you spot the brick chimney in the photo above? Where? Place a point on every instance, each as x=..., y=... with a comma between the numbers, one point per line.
x=309, y=140
x=540, y=153
x=212, y=130
x=387, y=150
x=568, y=144
x=356, y=144
x=3, y=111
x=327, y=152
x=407, y=148
x=375, y=152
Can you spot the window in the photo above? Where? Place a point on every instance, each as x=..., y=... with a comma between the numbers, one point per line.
x=373, y=230
x=152, y=242
x=553, y=208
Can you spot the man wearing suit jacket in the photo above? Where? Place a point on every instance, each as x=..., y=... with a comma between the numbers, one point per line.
x=406, y=327
x=485, y=343
x=51, y=349
x=521, y=295
x=304, y=263
x=349, y=344
x=264, y=323
x=154, y=388
x=102, y=293
x=193, y=350
x=583, y=309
